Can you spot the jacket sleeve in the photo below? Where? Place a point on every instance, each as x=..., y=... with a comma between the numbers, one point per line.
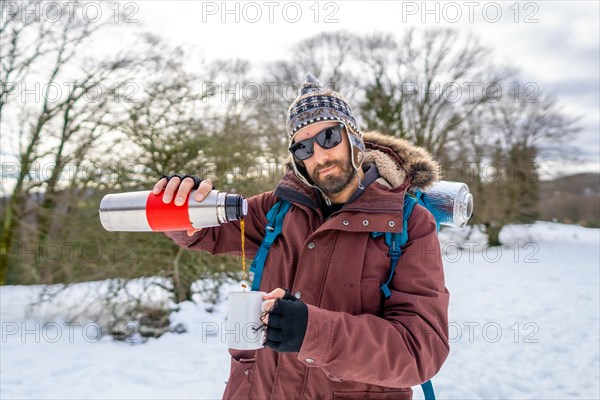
x=409, y=343
x=226, y=239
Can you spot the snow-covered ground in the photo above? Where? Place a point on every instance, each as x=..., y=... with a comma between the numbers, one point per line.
x=524, y=324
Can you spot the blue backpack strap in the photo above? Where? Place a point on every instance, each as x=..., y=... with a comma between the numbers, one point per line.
x=273, y=229
x=428, y=390
x=395, y=240
x=392, y=239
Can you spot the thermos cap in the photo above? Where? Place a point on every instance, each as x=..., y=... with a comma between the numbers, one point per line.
x=235, y=207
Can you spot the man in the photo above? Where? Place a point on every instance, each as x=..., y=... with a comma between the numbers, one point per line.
x=331, y=333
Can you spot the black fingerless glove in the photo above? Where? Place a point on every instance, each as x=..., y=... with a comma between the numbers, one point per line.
x=287, y=324
x=197, y=181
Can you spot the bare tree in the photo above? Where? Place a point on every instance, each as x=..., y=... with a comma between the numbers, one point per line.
x=326, y=55
x=60, y=127
x=507, y=143
x=426, y=86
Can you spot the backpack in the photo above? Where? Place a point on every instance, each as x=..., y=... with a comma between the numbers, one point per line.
x=394, y=241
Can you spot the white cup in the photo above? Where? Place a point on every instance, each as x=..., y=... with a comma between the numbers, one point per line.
x=244, y=329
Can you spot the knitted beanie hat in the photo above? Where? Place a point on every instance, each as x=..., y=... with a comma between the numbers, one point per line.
x=316, y=104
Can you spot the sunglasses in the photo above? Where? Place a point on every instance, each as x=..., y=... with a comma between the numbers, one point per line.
x=328, y=138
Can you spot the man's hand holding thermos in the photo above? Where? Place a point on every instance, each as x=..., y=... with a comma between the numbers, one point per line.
x=183, y=185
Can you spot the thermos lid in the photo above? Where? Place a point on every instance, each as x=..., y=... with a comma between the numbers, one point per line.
x=236, y=207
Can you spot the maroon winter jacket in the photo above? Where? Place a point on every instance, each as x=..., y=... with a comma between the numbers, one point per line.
x=357, y=345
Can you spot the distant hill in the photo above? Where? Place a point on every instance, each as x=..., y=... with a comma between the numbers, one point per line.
x=572, y=199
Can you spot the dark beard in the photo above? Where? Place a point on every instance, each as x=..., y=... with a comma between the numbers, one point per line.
x=333, y=184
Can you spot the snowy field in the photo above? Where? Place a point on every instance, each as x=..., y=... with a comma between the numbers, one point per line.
x=524, y=324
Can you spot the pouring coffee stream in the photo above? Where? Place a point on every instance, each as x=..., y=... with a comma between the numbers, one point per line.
x=242, y=229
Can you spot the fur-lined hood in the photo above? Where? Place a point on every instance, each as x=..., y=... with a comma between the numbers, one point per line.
x=396, y=160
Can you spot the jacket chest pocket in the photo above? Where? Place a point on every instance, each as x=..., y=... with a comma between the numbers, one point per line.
x=370, y=296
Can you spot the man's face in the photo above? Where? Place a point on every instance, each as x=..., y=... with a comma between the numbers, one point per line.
x=329, y=169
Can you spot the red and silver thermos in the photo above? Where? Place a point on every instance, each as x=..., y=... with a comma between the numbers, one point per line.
x=145, y=212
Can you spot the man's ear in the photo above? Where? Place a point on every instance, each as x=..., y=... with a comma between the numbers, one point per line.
x=356, y=142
